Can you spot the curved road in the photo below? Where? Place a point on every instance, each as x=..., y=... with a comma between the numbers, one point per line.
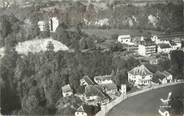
x=146, y=104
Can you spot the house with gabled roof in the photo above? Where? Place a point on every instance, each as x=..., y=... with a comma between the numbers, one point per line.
x=67, y=90
x=103, y=79
x=86, y=81
x=164, y=48
x=165, y=77
x=94, y=95
x=140, y=75
x=110, y=89
x=81, y=111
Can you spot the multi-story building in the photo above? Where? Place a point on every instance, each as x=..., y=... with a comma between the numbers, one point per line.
x=140, y=75
x=146, y=48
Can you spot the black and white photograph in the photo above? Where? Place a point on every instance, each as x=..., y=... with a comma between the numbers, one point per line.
x=91, y=57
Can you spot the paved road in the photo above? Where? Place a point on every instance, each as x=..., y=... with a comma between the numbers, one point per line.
x=145, y=104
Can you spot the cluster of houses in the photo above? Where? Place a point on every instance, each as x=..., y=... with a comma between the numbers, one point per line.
x=150, y=46
x=101, y=91
x=150, y=49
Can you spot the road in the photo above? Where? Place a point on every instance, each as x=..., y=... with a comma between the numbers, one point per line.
x=146, y=104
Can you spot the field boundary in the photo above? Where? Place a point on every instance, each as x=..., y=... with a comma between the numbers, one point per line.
x=105, y=109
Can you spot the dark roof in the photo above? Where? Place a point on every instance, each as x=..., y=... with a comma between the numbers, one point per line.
x=88, y=80
x=109, y=86
x=160, y=75
x=94, y=90
x=165, y=73
x=147, y=43
x=172, y=43
x=163, y=46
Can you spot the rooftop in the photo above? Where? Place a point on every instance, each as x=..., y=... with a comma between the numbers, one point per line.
x=164, y=46
x=165, y=73
x=66, y=88
x=147, y=43
x=109, y=86
x=104, y=77
x=94, y=90
x=140, y=70
x=88, y=80
x=124, y=36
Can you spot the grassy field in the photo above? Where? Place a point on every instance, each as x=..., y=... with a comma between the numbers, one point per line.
x=146, y=104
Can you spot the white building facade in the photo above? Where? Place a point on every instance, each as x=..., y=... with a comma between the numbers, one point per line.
x=146, y=50
x=140, y=75
x=124, y=39
x=53, y=24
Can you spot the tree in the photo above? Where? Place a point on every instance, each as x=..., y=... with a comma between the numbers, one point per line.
x=34, y=32
x=6, y=26
x=121, y=77
x=50, y=46
x=30, y=106
x=177, y=106
x=177, y=63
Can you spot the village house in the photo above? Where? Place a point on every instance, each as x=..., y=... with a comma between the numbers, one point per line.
x=106, y=79
x=94, y=95
x=176, y=43
x=140, y=75
x=165, y=77
x=124, y=39
x=146, y=48
x=159, y=40
x=110, y=89
x=67, y=90
x=81, y=111
x=42, y=25
x=86, y=81
x=107, y=85
x=164, y=48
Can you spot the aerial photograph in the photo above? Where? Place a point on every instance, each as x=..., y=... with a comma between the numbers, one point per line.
x=92, y=57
